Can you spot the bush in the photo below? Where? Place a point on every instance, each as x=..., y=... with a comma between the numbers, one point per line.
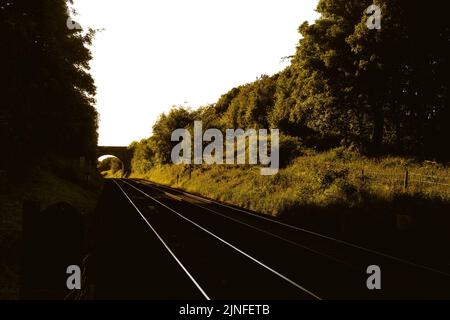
x=290, y=148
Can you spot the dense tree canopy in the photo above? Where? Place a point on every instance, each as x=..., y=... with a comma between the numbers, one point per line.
x=47, y=93
x=377, y=90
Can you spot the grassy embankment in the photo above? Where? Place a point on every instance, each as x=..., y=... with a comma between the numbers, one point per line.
x=47, y=184
x=329, y=192
x=111, y=174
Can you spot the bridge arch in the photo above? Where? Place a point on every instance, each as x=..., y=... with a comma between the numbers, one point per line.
x=123, y=153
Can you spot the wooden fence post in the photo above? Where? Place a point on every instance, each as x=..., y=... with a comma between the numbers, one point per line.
x=406, y=182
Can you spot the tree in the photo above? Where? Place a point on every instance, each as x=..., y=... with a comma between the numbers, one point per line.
x=381, y=91
x=326, y=97
x=47, y=96
x=111, y=163
x=160, y=141
x=249, y=106
x=404, y=62
x=143, y=156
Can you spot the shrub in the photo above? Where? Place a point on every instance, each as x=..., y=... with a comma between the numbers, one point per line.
x=290, y=148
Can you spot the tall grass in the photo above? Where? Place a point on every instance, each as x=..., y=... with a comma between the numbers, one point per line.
x=111, y=174
x=337, y=177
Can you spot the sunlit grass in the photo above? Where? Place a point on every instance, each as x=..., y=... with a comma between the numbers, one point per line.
x=337, y=177
x=110, y=174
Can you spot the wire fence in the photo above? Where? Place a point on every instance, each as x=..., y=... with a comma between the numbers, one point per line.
x=407, y=178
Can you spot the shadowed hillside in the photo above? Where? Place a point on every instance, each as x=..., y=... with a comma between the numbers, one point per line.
x=48, y=122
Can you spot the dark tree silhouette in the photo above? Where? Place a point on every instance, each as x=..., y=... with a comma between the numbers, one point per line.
x=47, y=93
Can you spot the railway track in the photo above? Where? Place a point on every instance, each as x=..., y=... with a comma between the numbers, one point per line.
x=175, y=245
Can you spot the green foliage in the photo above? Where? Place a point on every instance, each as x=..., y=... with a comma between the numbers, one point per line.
x=111, y=163
x=380, y=90
x=326, y=179
x=142, y=156
x=377, y=92
x=160, y=142
x=290, y=148
x=250, y=105
x=47, y=96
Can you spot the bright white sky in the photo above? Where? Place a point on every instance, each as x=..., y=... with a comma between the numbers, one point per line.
x=156, y=54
